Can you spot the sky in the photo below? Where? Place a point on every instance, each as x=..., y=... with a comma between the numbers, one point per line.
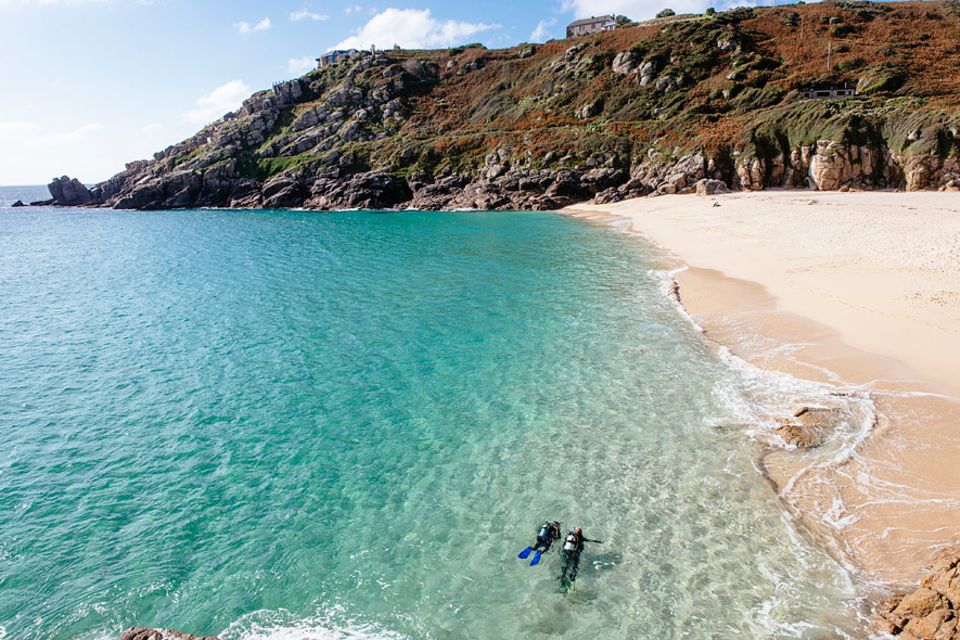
x=89, y=85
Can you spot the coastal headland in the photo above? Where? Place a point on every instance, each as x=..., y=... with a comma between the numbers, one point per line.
x=860, y=291
x=829, y=96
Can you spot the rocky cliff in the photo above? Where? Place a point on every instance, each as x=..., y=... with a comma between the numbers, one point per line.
x=652, y=108
x=930, y=612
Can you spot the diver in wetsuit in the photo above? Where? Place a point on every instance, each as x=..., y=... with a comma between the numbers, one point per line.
x=570, y=557
x=549, y=531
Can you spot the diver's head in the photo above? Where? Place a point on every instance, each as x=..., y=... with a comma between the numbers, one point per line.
x=579, y=531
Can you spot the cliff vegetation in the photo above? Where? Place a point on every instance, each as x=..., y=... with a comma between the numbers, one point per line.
x=657, y=107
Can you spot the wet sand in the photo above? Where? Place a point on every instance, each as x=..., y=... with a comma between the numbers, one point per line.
x=857, y=290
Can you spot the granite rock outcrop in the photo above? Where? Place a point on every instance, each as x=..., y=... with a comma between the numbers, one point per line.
x=931, y=611
x=653, y=109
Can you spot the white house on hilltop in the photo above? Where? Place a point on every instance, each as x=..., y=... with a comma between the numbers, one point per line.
x=330, y=57
x=589, y=26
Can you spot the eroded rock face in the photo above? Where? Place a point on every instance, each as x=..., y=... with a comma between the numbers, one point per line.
x=930, y=612
x=69, y=192
x=378, y=131
x=144, y=633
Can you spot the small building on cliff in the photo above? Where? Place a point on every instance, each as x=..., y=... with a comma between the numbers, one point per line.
x=589, y=26
x=331, y=57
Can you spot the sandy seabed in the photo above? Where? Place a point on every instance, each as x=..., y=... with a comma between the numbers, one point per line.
x=858, y=290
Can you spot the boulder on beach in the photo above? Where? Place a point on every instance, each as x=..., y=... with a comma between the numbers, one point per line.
x=707, y=187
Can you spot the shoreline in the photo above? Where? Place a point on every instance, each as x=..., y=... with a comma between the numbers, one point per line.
x=762, y=278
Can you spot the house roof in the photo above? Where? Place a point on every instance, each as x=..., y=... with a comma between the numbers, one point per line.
x=584, y=21
x=338, y=52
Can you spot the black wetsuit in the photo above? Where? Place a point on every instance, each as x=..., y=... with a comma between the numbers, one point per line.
x=570, y=558
x=548, y=533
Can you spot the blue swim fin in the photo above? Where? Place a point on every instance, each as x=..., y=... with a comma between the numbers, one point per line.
x=536, y=559
x=525, y=553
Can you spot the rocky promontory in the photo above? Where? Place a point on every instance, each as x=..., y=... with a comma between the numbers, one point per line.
x=726, y=101
x=931, y=611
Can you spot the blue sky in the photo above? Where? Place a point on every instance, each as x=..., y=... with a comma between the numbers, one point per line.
x=91, y=84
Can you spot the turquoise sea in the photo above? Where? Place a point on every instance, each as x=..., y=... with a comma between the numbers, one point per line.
x=303, y=426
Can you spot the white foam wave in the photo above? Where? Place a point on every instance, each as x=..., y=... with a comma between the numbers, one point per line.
x=330, y=624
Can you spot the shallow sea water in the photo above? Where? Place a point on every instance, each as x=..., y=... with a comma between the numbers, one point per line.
x=309, y=426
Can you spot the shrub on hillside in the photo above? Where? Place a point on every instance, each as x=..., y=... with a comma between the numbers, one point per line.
x=666, y=13
x=842, y=30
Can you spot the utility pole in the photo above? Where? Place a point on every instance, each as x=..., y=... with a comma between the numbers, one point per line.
x=829, y=55
x=800, y=41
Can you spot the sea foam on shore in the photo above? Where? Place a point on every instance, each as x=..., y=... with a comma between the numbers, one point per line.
x=874, y=489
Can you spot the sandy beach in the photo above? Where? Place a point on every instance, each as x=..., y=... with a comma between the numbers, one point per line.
x=858, y=290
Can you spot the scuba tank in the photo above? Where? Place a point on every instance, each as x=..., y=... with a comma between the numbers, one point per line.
x=570, y=544
x=544, y=531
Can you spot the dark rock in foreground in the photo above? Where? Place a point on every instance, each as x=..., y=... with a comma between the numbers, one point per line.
x=930, y=612
x=143, y=633
x=18, y=203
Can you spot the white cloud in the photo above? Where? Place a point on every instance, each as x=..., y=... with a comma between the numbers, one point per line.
x=636, y=9
x=153, y=126
x=218, y=102
x=34, y=135
x=244, y=28
x=542, y=29
x=299, y=66
x=353, y=9
x=412, y=29
x=305, y=14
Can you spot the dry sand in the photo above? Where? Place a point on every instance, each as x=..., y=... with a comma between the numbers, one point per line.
x=861, y=290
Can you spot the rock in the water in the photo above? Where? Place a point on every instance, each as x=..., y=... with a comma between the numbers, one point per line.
x=69, y=192
x=810, y=426
x=144, y=633
x=18, y=203
x=930, y=612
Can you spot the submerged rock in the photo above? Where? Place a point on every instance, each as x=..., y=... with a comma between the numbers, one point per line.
x=144, y=633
